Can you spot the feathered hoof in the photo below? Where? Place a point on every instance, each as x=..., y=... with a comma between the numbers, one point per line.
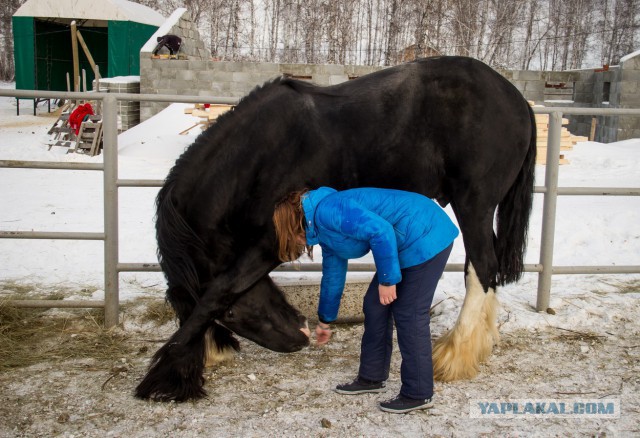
x=175, y=374
x=457, y=355
x=165, y=386
x=454, y=359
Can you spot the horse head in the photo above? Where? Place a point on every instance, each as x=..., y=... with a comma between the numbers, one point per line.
x=263, y=315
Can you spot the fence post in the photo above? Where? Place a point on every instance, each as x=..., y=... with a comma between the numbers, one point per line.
x=549, y=210
x=110, y=157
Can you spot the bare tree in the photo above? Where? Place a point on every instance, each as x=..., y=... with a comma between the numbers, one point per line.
x=621, y=29
x=546, y=34
x=7, y=9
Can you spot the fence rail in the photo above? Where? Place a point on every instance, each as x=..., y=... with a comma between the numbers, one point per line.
x=111, y=184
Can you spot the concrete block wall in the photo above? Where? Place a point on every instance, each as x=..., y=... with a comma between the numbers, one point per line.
x=200, y=77
x=628, y=96
x=198, y=74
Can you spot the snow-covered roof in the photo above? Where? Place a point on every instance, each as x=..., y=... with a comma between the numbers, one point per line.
x=629, y=56
x=111, y=10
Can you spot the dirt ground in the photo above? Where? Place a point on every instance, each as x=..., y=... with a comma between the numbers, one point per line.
x=262, y=393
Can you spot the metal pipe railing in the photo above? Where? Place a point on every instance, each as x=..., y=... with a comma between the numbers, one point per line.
x=110, y=160
x=550, y=191
x=549, y=209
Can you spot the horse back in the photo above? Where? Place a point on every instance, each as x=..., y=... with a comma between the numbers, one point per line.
x=422, y=126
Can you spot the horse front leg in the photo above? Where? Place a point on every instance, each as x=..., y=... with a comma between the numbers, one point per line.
x=220, y=343
x=175, y=373
x=459, y=352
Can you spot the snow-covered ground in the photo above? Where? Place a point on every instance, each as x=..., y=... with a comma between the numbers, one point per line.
x=589, y=231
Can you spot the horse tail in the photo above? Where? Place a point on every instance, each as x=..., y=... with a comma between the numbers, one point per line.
x=178, y=246
x=513, y=217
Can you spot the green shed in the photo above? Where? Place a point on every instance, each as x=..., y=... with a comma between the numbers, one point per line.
x=113, y=30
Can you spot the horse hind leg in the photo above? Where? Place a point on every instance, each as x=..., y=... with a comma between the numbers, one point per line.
x=459, y=352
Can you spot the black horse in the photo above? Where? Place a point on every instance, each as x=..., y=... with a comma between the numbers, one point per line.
x=450, y=128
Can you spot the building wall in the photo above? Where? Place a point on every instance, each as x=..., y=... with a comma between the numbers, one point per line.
x=198, y=74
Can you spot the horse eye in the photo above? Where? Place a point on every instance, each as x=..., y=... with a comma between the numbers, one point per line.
x=229, y=313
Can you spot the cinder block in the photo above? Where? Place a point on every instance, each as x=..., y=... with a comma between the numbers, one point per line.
x=237, y=89
x=299, y=69
x=534, y=86
x=536, y=96
x=627, y=87
x=164, y=83
x=176, y=64
x=337, y=79
x=186, y=75
x=169, y=91
x=219, y=76
x=630, y=75
x=241, y=76
x=168, y=73
x=361, y=70
x=528, y=75
x=267, y=68
x=519, y=85
x=331, y=69
x=260, y=78
x=632, y=64
x=197, y=64
x=145, y=64
x=321, y=79
x=628, y=123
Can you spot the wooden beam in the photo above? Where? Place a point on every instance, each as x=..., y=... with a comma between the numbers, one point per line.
x=87, y=53
x=592, y=133
x=74, y=51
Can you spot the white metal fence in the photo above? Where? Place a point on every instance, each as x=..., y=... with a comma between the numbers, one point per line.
x=111, y=184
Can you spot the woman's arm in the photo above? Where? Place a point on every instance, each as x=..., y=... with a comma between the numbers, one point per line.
x=352, y=220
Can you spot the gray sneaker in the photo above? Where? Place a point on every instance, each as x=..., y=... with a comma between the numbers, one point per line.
x=402, y=404
x=361, y=386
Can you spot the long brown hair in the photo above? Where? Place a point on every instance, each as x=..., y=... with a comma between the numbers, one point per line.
x=288, y=219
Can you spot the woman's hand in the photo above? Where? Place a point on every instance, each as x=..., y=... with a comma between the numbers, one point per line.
x=387, y=294
x=323, y=333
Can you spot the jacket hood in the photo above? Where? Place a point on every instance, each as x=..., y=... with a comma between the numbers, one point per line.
x=310, y=201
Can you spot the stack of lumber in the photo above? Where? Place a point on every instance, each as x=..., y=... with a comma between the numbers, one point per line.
x=206, y=114
x=567, y=140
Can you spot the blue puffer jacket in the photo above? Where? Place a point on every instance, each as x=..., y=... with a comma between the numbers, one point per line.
x=402, y=229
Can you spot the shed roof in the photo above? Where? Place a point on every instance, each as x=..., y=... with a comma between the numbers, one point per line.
x=112, y=10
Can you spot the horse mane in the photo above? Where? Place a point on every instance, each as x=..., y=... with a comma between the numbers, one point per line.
x=203, y=143
x=181, y=251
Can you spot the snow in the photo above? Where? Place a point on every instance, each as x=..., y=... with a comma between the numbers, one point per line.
x=589, y=231
x=118, y=10
x=121, y=80
x=629, y=56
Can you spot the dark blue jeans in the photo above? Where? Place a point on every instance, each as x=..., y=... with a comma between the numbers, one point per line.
x=410, y=311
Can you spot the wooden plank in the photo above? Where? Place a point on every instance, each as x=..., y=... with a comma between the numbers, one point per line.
x=87, y=53
x=188, y=129
x=74, y=53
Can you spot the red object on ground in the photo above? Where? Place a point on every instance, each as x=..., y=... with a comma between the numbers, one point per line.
x=77, y=116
